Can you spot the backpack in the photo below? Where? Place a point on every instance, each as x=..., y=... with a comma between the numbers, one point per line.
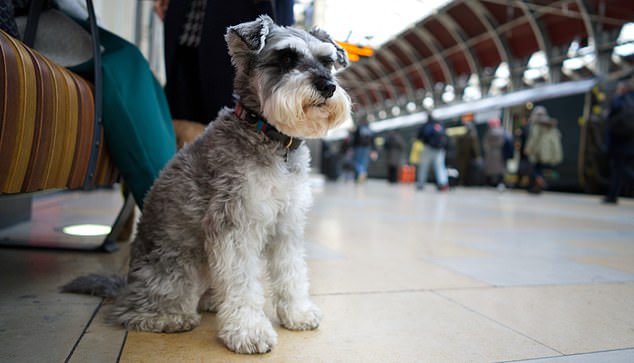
x=365, y=136
x=622, y=122
x=433, y=134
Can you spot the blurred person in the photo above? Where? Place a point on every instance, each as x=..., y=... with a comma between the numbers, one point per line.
x=524, y=168
x=347, y=164
x=434, y=138
x=363, y=150
x=619, y=140
x=199, y=74
x=467, y=153
x=394, y=153
x=543, y=147
x=494, y=159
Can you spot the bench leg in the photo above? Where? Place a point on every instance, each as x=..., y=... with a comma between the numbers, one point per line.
x=110, y=242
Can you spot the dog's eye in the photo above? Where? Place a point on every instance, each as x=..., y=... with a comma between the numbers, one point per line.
x=287, y=58
x=327, y=62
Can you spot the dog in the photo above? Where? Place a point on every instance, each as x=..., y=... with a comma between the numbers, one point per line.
x=231, y=206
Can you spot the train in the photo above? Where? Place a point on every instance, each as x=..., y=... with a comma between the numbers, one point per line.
x=579, y=106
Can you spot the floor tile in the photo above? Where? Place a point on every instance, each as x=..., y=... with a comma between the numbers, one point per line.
x=398, y=327
x=569, y=319
x=41, y=331
x=616, y=356
x=38, y=323
x=101, y=342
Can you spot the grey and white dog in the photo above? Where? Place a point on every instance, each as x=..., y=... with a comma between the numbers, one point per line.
x=231, y=207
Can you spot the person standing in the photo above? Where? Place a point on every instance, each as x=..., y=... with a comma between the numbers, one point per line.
x=467, y=153
x=363, y=149
x=543, y=147
x=619, y=140
x=434, y=138
x=199, y=74
x=394, y=150
x=524, y=168
x=494, y=161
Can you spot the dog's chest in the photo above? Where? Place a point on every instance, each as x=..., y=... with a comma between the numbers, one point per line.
x=277, y=188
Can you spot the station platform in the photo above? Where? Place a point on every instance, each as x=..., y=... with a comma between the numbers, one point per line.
x=469, y=275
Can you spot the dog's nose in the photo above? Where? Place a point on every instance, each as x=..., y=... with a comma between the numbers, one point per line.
x=326, y=87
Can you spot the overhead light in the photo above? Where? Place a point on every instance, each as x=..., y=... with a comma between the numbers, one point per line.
x=574, y=63
x=87, y=230
x=428, y=102
x=624, y=50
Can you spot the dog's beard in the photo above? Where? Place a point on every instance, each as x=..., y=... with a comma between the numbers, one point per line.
x=297, y=109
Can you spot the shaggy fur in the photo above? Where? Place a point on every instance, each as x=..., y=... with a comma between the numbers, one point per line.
x=231, y=206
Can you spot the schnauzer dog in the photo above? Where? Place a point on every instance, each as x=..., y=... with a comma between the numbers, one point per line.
x=231, y=206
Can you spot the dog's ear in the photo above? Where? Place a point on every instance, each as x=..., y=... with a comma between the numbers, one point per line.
x=342, y=55
x=249, y=37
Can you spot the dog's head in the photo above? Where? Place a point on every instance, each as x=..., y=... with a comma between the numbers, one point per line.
x=287, y=75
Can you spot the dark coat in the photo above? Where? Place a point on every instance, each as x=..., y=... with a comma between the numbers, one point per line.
x=394, y=149
x=494, y=163
x=214, y=64
x=616, y=143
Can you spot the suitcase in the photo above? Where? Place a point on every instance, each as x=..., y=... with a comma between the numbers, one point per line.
x=407, y=174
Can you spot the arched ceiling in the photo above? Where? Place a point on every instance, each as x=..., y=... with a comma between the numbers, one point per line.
x=473, y=37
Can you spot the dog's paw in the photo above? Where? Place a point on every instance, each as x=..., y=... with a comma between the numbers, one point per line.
x=249, y=335
x=304, y=316
x=160, y=323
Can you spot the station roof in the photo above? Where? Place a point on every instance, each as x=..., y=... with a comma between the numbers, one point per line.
x=468, y=37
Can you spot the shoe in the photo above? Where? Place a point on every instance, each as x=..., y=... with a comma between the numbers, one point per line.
x=535, y=190
x=362, y=178
x=540, y=183
x=607, y=200
x=444, y=188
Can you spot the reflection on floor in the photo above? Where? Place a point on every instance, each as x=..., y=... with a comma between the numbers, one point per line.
x=401, y=276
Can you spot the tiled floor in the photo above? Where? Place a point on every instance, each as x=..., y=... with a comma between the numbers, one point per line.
x=472, y=275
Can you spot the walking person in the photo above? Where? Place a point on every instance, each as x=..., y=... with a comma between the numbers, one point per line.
x=434, y=138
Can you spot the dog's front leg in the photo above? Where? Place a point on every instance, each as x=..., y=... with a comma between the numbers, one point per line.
x=289, y=280
x=237, y=268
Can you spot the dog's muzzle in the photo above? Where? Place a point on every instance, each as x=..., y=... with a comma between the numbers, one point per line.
x=325, y=86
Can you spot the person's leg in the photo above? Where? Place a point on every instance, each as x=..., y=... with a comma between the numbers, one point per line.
x=616, y=179
x=361, y=157
x=538, y=177
x=136, y=118
x=442, y=180
x=391, y=174
x=423, y=168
